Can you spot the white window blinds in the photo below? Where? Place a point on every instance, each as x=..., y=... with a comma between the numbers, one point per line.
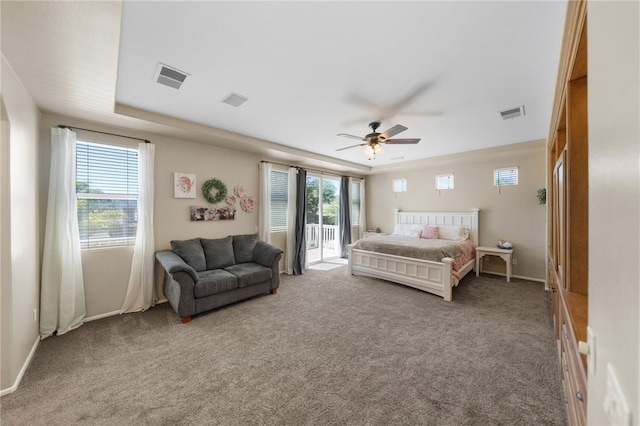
x=279, y=197
x=107, y=194
x=505, y=176
x=444, y=181
x=355, y=202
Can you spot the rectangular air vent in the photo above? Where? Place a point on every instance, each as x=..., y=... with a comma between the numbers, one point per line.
x=511, y=112
x=169, y=76
x=234, y=99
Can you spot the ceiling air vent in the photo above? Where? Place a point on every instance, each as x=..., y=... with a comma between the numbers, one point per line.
x=169, y=76
x=234, y=99
x=511, y=113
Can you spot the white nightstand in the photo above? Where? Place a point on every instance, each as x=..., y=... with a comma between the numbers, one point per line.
x=505, y=254
x=369, y=234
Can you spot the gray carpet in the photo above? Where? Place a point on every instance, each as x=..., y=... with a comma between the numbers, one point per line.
x=328, y=349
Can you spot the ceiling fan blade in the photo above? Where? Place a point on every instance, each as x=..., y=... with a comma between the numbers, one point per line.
x=402, y=141
x=421, y=113
x=352, y=146
x=358, y=100
x=409, y=98
x=393, y=131
x=346, y=135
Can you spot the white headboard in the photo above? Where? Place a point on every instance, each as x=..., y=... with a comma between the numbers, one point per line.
x=468, y=219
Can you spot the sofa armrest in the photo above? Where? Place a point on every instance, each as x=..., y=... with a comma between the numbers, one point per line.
x=173, y=263
x=266, y=254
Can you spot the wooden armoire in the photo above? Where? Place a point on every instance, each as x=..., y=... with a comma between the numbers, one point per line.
x=568, y=214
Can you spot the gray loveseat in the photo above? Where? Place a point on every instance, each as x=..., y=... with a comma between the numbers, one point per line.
x=203, y=274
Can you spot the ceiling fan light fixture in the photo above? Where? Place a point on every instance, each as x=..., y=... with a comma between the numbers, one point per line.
x=373, y=149
x=373, y=141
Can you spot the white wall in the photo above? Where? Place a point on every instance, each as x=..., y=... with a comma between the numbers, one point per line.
x=614, y=201
x=20, y=230
x=513, y=214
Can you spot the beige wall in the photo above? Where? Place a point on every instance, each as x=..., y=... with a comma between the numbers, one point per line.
x=614, y=201
x=19, y=229
x=513, y=214
x=105, y=286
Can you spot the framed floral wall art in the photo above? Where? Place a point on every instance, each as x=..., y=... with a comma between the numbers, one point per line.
x=206, y=213
x=184, y=185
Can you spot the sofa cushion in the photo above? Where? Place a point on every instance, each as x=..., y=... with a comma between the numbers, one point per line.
x=250, y=273
x=243, y=246
x=192, y=253
x=214, y=282
x=218, y=252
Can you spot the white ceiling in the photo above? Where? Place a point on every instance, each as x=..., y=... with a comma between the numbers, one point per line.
x=310, y=70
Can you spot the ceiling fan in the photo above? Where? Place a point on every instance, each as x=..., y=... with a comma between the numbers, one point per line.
x=374, y=140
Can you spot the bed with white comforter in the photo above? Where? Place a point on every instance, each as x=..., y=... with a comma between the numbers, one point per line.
x=430, y=251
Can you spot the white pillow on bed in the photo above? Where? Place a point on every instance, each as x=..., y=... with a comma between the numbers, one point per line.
x=406, y=230
x=455, y=233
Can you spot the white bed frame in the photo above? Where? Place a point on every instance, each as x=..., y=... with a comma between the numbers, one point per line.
x=432, y=277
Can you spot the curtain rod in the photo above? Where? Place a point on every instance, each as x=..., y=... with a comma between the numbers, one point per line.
x=64, y=126
x=312, y=170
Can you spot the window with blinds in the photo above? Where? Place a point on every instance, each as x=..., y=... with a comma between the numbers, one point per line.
x=399, y=185
x=355, y=203
x=107, y=194
x=444, y=181
x=505, y=176
x=279, y=199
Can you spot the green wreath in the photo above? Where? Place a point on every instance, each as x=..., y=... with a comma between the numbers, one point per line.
x=217, y=184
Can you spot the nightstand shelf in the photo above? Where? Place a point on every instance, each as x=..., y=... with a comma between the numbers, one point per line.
x=504, y=254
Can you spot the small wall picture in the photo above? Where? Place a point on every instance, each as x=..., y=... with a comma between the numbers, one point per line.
x=184, y=185
x=212, y=213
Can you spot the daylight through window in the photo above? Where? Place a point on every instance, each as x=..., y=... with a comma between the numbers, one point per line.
x=505, y=177
x=355, y=203
x=444, y=181
x=107, y=194
x=279, y=197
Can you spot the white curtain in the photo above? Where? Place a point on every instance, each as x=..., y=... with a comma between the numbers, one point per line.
x=264, y=208
x=62, y=305
x=363, y=211
x=141, y=291
x=291, y=220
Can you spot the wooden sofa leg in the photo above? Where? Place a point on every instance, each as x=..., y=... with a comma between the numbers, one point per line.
x=186, y=319
x=274, y=291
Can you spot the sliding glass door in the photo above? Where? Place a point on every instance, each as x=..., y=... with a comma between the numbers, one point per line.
x=323, y=206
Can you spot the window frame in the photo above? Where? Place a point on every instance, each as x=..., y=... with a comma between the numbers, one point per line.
x=355, y=200
x=130, y=193
x=512, y=180
x=399, y=185
x=284, y=198
x=450, y=179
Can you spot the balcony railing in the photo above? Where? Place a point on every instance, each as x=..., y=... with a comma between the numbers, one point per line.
x=330, y=237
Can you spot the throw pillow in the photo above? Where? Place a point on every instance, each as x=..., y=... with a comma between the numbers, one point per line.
x=218, y=252
x=243, y=246
x=429, y=232
x=191, y=252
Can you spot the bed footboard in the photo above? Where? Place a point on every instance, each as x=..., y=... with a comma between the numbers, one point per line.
x=432, y=277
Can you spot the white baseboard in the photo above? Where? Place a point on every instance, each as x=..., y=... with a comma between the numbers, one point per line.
x=110, y=314
x=540, y=280
x=22, y=370
x=100, y=316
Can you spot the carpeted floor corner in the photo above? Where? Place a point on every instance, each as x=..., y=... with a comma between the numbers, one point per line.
x=328, y=349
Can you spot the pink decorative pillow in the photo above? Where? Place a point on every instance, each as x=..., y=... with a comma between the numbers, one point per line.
x=429, y=232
